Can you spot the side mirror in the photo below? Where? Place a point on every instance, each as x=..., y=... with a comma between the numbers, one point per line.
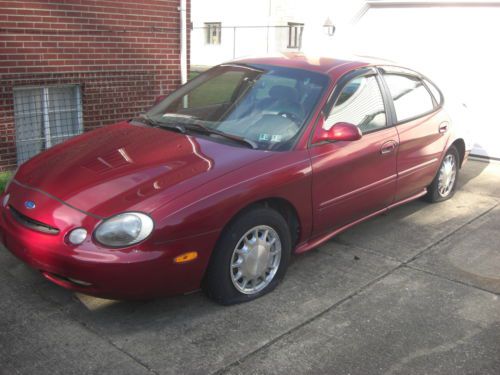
x=341, y=131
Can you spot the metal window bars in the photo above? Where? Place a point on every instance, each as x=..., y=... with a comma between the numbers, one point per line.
x=45, y=116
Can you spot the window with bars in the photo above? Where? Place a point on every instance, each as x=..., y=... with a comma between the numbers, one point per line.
x=213, y=32
x=45, y=116
x=295, y=34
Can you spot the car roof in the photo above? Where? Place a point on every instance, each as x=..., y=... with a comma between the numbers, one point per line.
x=322, y=64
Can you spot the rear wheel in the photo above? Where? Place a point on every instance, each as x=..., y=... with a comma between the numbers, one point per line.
x=250, y=258
x=444, y=184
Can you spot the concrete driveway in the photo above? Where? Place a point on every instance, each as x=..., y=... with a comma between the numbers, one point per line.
x=415, y=291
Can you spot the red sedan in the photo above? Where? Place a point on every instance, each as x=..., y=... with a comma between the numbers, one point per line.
x=220, y=182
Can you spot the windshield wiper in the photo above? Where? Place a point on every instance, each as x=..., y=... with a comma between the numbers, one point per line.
x=194, y=126
x=197, y=127
x=157, y=124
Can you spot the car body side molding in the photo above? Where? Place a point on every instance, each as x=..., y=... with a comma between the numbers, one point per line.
x=309, y=245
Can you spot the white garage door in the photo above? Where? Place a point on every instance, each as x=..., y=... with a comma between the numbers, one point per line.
x=457, y=47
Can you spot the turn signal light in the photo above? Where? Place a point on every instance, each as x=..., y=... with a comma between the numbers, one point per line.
x=186, y=257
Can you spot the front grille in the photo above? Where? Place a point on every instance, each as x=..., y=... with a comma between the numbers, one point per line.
x=32, y=223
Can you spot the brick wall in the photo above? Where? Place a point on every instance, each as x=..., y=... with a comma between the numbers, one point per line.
x=122, y=54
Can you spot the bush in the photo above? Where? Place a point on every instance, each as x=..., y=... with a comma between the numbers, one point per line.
x=4, y=177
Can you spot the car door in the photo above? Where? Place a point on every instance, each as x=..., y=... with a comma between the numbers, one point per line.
x=423, y=130
x=353, y=179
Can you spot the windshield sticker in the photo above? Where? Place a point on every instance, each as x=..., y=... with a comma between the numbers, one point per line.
x=270, y=137
x=276, y=138
x=264, y=137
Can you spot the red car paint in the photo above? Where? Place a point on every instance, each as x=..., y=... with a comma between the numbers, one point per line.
x=192, y=187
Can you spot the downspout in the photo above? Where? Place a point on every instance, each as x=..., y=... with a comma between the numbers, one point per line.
x=183, y=32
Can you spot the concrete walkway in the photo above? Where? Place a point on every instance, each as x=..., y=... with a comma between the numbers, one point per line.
x=415, y=291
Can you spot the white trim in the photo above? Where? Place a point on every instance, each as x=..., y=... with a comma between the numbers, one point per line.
x=425, y=3
x=183, y=31
x=79, y=109
x=46, y=117
x=419, y=3
x=360, y=13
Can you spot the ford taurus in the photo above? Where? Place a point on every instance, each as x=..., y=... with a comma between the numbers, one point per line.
x=219, y=183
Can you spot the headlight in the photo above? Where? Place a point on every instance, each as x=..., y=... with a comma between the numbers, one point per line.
x=124, y=229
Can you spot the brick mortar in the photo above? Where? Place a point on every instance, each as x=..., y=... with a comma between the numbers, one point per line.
x=122, y=54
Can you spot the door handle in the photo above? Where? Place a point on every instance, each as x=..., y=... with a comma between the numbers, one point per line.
x=388, y=147
x=443, y=127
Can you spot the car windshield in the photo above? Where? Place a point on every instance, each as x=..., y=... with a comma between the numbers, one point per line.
x=265, y=106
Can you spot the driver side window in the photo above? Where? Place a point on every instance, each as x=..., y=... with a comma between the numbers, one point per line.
x=359, y=103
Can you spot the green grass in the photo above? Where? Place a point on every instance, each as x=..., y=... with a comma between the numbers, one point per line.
x=193, y=74
x=4, y=177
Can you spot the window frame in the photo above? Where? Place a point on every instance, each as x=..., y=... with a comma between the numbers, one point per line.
x=295, y=29
x=395, y=70
x=427, y=81
x=337, y=90
x=347, y=102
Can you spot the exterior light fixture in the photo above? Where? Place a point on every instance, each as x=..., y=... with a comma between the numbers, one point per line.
x=329, y=27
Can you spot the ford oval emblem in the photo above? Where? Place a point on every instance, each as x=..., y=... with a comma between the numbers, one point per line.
x=29, y=205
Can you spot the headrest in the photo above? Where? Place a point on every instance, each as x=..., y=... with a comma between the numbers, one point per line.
x=284, y=92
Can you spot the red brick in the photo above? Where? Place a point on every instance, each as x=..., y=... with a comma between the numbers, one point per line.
x=121, y=54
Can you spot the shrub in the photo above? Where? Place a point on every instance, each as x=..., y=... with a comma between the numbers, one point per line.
x=4, y=177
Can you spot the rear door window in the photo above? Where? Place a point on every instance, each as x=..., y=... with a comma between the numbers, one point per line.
x=411, y=98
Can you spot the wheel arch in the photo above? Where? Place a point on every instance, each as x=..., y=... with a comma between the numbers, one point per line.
x=460, y=146
x=283, y=206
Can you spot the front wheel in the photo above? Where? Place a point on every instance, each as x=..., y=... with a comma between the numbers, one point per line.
x=250, y=258
x=444, y=184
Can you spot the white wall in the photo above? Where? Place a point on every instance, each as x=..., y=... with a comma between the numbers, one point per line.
x=229, y=13
x=258, y=41
x=455, y=46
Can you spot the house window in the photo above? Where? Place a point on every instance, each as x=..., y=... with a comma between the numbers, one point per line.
x=213, y=32
x=295, y=34
x=45, y=116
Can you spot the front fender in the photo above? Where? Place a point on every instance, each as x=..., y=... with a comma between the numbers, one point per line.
x=208, y=208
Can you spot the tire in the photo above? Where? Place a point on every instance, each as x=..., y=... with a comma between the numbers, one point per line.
x=436, y=191
x=254, y=255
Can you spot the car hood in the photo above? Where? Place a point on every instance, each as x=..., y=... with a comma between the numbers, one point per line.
x=130, y=167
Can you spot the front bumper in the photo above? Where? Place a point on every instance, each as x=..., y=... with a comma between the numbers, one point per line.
x=143, y=271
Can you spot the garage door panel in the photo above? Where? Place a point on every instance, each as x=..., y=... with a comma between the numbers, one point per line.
x=454, y=46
